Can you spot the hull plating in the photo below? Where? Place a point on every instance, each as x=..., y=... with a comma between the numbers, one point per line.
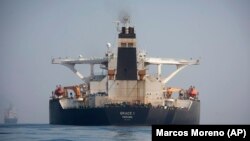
x=123, y=115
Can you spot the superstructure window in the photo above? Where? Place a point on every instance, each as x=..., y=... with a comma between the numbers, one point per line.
x=123, y=44
x=130, y=44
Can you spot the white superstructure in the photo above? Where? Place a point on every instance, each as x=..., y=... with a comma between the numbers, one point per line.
x=111, y=87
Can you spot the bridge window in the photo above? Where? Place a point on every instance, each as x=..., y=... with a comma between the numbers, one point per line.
x=123, y=44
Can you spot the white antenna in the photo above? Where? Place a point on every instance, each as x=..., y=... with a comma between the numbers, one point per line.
x=117, y=26
x=126, y=21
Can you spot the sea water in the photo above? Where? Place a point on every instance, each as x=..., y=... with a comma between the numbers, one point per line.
x=47, y=132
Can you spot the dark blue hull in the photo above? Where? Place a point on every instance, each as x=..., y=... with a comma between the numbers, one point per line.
x=10, y=120
x=123, y=115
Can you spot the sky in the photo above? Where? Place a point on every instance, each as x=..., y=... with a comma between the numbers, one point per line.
x=32, y=32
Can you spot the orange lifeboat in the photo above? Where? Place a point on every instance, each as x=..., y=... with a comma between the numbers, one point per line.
x=192, y=91
x=59, y=91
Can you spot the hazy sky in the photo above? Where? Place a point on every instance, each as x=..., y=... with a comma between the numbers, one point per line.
x=217, y=32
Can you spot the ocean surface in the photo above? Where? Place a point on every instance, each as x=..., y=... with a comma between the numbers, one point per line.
x=47, y=132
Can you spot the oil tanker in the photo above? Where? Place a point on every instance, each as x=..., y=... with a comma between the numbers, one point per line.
x=125, y=93
x=10, y=116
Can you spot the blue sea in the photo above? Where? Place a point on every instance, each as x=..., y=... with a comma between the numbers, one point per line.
x=47, y=132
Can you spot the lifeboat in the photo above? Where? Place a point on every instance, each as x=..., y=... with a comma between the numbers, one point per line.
x=192, y=92
x=59, y=91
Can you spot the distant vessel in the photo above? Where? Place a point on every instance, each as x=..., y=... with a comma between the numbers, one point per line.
x=125, y=94
x=10, y=116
